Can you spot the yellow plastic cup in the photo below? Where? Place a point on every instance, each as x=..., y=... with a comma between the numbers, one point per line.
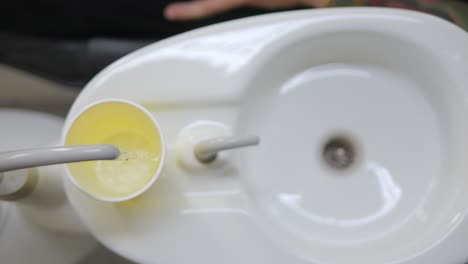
x=138, y=136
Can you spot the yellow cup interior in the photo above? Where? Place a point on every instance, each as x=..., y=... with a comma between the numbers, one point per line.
x=134, y=132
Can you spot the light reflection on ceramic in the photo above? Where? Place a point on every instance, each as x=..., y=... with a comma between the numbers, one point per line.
x=390, y=194
x=392, y=81
x=209, y=202
x=324, y=72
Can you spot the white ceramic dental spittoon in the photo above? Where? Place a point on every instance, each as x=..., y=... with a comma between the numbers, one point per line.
x=362, y=118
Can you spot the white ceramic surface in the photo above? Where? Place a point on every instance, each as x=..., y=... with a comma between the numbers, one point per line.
x=393, y=81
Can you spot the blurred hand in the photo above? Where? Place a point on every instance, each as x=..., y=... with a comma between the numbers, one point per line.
x=197, y=9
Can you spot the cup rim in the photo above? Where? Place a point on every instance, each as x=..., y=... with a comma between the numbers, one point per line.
x=161, y=136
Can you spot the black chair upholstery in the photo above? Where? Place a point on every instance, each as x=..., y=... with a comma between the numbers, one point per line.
x=69, y=41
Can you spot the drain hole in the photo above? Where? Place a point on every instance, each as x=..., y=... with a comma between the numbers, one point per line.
x=339, y=153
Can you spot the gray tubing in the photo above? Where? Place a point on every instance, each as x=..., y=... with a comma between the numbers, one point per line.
x=207, y=150
x=22, y=159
